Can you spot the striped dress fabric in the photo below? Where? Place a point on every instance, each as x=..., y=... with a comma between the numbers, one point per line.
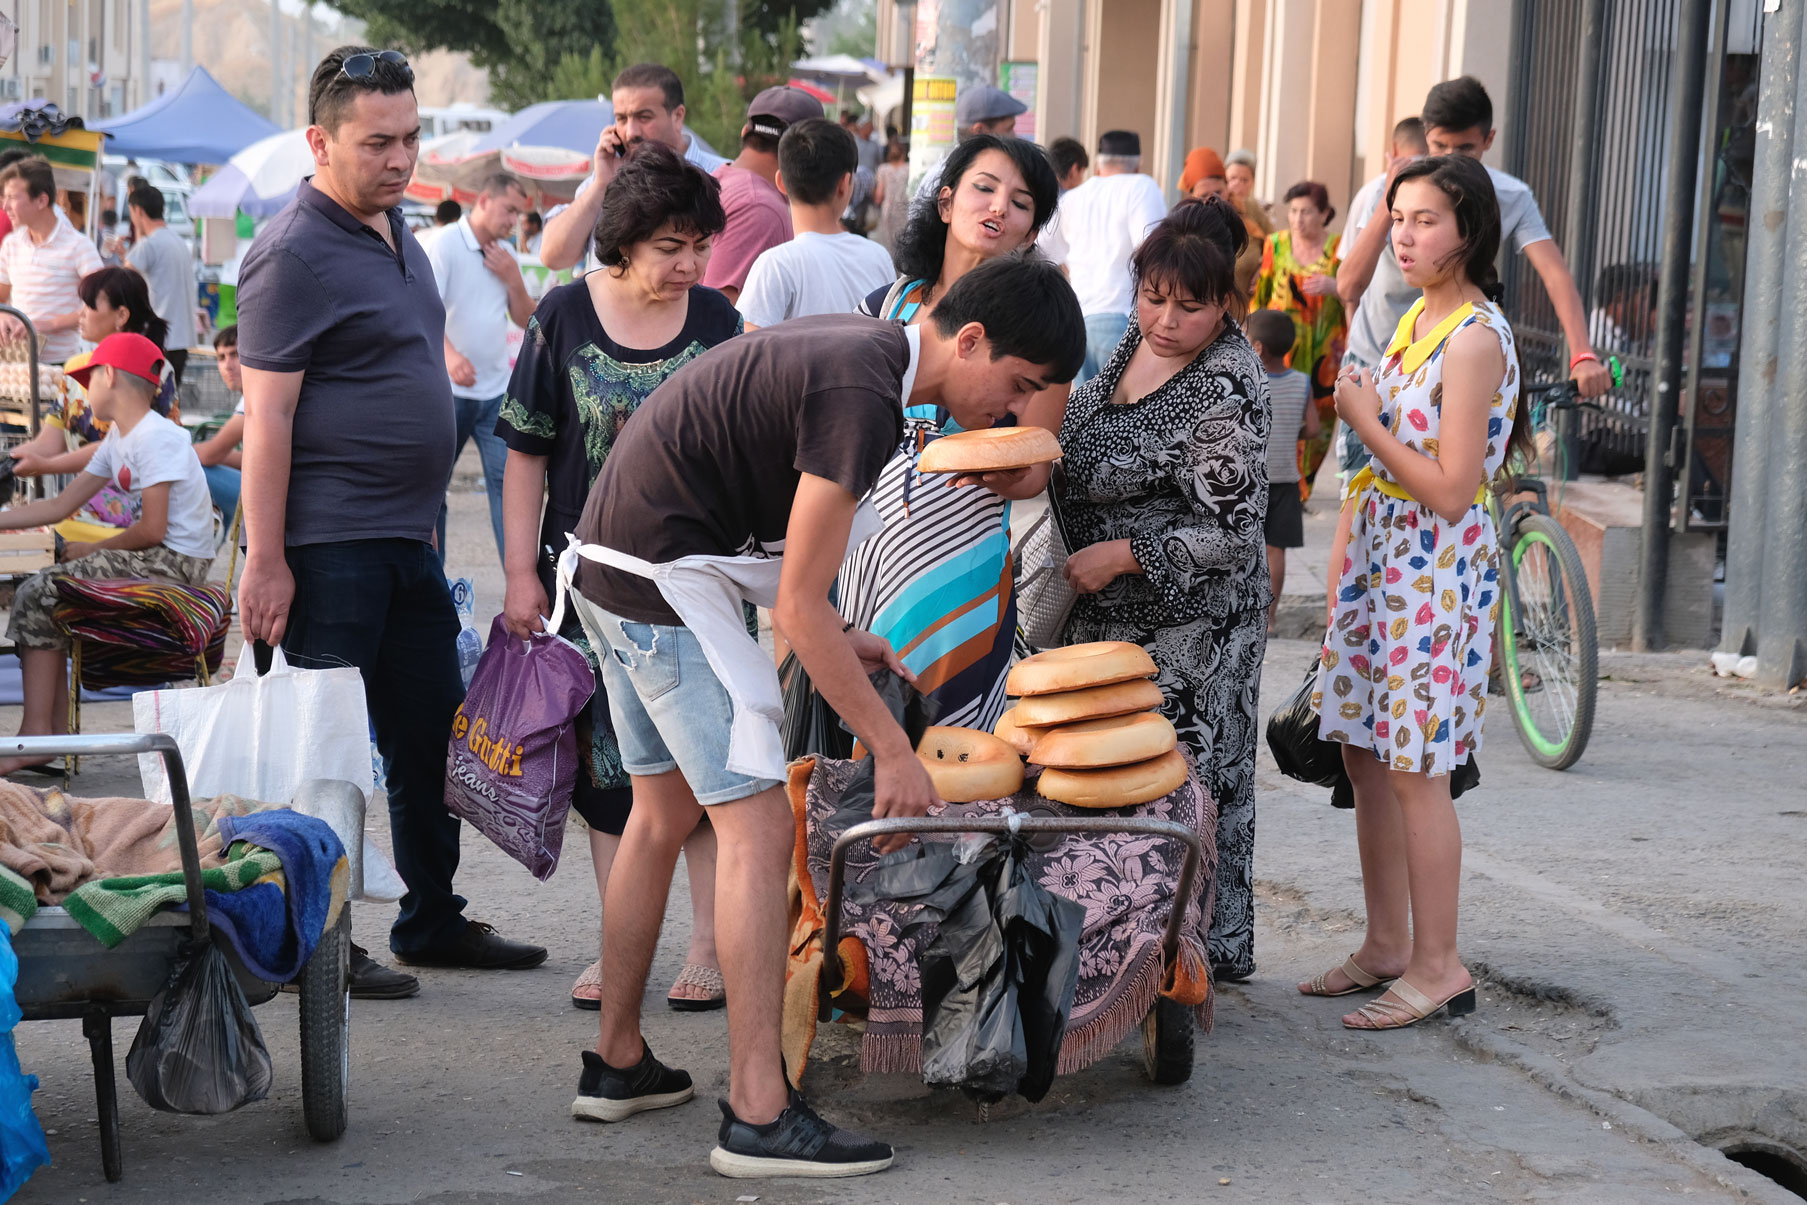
x=936, y=582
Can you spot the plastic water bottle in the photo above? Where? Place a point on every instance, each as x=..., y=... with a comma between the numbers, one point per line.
x=470, y=641
x=470, y=651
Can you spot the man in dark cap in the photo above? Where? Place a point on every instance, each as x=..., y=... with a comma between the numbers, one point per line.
x=980, y=109
x=759, y=218
x=1103, y=221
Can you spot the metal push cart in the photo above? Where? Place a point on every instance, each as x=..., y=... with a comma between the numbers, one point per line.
x=65, y=973
x=1168, y=1032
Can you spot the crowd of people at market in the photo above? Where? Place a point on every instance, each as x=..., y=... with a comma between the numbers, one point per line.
x=728, y=406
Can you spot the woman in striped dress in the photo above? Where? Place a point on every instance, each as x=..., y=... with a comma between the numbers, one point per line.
x=936, y=581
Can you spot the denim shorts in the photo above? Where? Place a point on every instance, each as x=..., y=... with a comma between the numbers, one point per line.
x=670, y=710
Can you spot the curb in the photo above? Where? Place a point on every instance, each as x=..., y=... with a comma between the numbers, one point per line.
x=1621, y=1114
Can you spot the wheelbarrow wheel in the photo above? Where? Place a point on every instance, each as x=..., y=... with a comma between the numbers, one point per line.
x=1168, y=1034
x=326, y=1032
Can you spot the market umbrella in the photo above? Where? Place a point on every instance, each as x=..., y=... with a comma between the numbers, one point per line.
x=573, y=125
x=260, y=179
x=550, y=175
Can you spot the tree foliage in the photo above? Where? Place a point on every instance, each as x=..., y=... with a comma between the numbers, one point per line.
x=519, y=42
x=722, y=67
x=723, y=50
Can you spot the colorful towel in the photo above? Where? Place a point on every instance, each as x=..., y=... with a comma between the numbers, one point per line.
x=113, y=909
x=1127, y=884
x=143, y=633
x=275, y=926
x=17, y=903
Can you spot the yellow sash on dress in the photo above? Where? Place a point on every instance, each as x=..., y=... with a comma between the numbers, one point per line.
x=1367, y=479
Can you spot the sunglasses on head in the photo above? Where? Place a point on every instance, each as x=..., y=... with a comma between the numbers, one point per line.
x=362, y=66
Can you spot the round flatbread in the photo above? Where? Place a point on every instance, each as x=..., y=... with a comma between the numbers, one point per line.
x=1121, y=740
x=1079, y=666
x=968, y=765
x=1118, y=787
x=1092, y=703
x=989, y=451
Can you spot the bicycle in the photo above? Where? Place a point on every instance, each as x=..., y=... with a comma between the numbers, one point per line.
x=1549, y=645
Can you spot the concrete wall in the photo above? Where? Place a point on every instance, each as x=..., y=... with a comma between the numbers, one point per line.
x=1123, y=39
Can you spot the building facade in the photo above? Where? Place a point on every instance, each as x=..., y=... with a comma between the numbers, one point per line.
x=89, y=57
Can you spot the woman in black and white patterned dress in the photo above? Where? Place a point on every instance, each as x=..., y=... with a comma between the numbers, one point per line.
x=1163, y=502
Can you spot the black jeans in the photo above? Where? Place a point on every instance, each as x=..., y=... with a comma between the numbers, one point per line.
x=383, y=606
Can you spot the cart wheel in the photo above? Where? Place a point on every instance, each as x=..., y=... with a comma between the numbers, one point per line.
x=326, y=1032
x=1168, y=1034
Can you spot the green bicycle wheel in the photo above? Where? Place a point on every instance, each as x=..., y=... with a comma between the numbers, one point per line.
x=1550, y=648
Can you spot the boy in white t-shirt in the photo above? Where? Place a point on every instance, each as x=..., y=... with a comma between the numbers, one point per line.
x=148, y=457
x=823, y=269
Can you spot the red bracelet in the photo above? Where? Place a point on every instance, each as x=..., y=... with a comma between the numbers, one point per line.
x=1586, y=355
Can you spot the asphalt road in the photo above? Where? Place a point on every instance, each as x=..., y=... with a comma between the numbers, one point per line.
x=1636, y=922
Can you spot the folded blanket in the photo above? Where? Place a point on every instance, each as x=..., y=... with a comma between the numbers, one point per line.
x=56, y=842
x=275, y=926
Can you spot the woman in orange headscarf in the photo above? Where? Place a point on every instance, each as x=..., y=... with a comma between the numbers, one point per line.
x=1203, y=176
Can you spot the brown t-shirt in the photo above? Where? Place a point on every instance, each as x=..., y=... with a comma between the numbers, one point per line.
x=709, y=463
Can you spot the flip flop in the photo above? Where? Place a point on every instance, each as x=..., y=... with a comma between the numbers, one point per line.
x=707, y=978
x=590, y=980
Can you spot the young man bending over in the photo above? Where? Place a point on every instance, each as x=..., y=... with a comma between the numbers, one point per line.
x=740, y=479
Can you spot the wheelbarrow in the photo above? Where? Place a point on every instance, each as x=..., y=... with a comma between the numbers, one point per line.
x=65, y=973
x=1168, y=1032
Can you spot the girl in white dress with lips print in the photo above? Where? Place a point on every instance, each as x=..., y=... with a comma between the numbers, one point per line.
x=1402, y=682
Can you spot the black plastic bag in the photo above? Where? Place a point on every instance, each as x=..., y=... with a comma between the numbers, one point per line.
x=1292, y=737
x=199, y=1049
x=811, y=726
x=998, y=976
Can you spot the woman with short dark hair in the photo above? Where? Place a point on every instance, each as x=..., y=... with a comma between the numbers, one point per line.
x=1163, y=500
x=1298, y=277
x=594, y=350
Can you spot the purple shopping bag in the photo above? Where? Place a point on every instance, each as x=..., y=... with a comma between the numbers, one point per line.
x=513, y=756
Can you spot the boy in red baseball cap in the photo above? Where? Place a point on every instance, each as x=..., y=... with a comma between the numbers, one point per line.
x=146, y=456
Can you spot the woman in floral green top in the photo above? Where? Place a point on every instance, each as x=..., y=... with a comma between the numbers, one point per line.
x=1298, y=277
x=594, y=350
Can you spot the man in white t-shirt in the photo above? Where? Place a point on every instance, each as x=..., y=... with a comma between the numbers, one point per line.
x=648, y=99
x=481, y=284
x=823, y=269
x=42, y=261
x=1457, y=120
x=151, y=459
x=1103, y=221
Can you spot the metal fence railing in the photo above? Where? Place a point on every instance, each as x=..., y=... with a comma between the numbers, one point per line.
x=1588, y=130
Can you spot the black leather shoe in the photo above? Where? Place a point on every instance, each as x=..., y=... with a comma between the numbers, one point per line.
x=480, y=948
x=371, y=980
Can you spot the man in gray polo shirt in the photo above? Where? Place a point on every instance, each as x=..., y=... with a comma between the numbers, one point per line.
x=348, y=451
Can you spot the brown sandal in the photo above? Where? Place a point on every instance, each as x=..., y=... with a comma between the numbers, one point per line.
x=1411, y=1007
x=1360, y=978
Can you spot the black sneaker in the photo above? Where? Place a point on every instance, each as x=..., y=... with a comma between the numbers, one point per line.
x=796, y=1143
x=606, y=1093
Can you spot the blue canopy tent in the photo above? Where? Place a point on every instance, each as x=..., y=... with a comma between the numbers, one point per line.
x=200, y=122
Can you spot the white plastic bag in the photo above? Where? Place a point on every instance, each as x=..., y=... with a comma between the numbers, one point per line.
x=262, y=737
